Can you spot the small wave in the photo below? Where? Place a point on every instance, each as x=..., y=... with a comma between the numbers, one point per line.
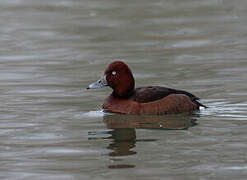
x=222, y=108
x=91, y=114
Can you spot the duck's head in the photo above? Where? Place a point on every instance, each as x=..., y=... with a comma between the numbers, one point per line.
x=119, y=77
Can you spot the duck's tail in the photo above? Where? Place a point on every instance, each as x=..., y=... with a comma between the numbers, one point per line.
x=199, y=104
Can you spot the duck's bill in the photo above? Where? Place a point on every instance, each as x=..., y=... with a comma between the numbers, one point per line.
x=100, y=83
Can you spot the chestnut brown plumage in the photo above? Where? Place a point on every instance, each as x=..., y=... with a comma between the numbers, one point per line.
x=144, y=100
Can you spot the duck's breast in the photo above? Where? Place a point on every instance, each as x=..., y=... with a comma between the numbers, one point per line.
x=121, y=105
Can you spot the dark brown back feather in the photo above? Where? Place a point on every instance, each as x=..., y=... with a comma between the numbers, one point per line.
x=153, y=93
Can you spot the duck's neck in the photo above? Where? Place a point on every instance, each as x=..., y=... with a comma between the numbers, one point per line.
x=126, y=87
x=125, y=95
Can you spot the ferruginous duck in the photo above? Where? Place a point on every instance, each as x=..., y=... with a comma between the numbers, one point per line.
x=126, y=99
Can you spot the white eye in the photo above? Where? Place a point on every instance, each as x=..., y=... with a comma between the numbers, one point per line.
x=114, y=73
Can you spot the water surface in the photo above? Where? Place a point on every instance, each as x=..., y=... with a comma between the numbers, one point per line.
x=51, y=127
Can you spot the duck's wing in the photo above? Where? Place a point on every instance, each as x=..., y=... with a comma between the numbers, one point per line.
x=153, y=93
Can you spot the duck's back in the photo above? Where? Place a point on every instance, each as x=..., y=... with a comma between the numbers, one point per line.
x=153, y=93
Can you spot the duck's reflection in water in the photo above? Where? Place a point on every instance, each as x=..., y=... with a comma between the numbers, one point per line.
x=123, y=141
x=171, y=122
x=124, y=127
